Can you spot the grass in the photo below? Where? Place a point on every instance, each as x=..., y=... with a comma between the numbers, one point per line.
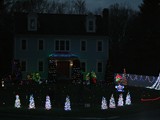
x=79, y=95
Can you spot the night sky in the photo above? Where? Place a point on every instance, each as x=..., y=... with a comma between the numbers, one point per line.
x=94, y=4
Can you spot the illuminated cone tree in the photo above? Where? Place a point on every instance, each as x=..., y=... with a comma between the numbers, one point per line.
x=128, y=99
x=17, y=102
x=48, y=103
x=31, y=102
x=67, y=106
x=112, y=102
x=104, y=104
x=120, y=100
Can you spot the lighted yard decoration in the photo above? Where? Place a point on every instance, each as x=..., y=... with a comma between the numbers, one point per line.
x=17, y=102
x=112, y=103
x=104, y=104
x=124, y=78
x=119, y=85
x=67, y=105
x=48, y=103
x=128, y=99
x=156, y=85
x=93, y=77
x=120, y=100
x=31, y=102
x=86, y=77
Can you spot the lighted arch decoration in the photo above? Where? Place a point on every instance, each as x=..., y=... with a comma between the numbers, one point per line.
x=62, y=55
x=58, y=56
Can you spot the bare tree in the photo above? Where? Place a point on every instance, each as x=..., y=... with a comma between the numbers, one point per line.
x=119, y=17
x=79, y=6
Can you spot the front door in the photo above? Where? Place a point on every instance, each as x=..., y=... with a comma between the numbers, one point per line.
x=63, y=70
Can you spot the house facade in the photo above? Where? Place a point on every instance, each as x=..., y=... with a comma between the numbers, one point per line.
x=52, y=44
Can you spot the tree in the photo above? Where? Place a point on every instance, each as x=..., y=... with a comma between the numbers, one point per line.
x=119, y=23
x=150, y=13
x=79, y=6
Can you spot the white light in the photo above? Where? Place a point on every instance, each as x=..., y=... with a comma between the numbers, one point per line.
x=2, y=83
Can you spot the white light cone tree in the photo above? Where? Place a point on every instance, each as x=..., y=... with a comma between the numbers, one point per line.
x=17, y=102
x=104, y=104
x=48, y=103
x=67, y=106
x=31, y=102
x=128, y=99
x=112, y=102
x=120, y=100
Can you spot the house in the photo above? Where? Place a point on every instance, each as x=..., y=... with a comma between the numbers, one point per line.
x=55, y=45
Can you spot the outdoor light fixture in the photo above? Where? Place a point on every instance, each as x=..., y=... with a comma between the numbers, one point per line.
x=2, y=83
x=71, y=63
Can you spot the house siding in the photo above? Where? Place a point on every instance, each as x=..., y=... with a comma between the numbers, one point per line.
x=32, y=54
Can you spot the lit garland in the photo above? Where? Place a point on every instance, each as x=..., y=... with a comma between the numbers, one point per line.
x=52, y=70
x=63, y=55
x=134, y=77
x=76, y=75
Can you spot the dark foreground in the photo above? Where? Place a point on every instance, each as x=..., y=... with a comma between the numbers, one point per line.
x=141, y=111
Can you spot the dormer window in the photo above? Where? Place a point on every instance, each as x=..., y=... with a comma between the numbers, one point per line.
x=91, y=23
x=32, y=22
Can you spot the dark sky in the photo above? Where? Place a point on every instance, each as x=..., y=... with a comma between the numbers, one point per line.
x=92, y=4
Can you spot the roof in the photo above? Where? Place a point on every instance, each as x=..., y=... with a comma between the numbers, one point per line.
x=58, y=24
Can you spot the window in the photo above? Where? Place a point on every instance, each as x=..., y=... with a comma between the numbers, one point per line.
x=23, y=65
x=83, y=45
x=99, y=46
x=40, y=45
x=83, y=66
x=40, y=66
x=99, y=66
x=62, y=45
x=24, y=45
x=32, y=23
x=90, y=25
